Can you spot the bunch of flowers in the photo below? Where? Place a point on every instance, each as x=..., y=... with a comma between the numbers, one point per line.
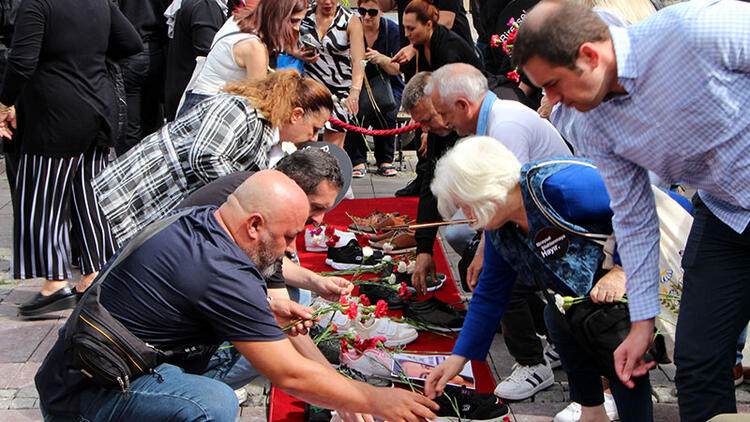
x=351, y=307
x=354, y=342
x=332, y=237
x=507, y=45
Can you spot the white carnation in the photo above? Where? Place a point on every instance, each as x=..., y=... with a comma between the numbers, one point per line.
x=367, y=252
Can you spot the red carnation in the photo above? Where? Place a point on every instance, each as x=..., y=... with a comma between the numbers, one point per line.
x=344, y=300
x=403, y=291
x=352, y=311
x=380, y=309
x=514, y=76
x=364, y=300
x=330, y=231
x=334, y=328
x=332, y=241
x=512, y=36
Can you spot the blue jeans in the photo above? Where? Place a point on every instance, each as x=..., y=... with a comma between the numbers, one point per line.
x=585, y=381
x=171, y=395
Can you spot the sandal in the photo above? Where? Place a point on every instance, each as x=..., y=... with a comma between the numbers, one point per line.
x=387, y=171
x=358, y=173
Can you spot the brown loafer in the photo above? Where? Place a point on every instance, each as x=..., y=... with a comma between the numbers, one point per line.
x=397, y=242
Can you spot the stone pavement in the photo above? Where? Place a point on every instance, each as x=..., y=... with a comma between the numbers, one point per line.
x=23, y=344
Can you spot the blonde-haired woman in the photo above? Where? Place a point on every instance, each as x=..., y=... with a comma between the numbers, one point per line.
x=237, y=130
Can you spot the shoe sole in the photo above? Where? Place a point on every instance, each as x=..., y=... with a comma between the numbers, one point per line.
x=460, y=419
x=433, y=288
x=546, y=383
x=316, y=249
x=392, y=343
x=58, y=305
x=343, y=266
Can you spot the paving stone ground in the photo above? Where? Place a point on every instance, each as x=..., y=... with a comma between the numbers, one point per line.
x=24, y=344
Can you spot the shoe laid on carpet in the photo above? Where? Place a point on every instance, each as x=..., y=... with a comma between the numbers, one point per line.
x=330, y=348
x=358, y=376
x=396, y=334
x=412, y=189
x=400, y=241
x=376, y=292
x=381, y=225
x=462, y=405
x=351, y=257
x=368, y=221
x=316, y=239
x=432, y=285
x=372, y=362
x=40, y=304
x=551, y=356
x=525, y=381
x=572, y=413
x=436, y=315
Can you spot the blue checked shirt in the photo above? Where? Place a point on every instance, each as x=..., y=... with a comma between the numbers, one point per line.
x=686, y=117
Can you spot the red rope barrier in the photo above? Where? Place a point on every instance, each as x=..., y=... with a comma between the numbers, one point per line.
x=373, y=132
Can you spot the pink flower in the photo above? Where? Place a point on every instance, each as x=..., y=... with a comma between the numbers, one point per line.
x=514, y=76
x=495, y=41
x=316, y=230
x=512, y=22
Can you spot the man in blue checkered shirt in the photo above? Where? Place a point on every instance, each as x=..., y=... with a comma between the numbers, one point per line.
x=669, y=94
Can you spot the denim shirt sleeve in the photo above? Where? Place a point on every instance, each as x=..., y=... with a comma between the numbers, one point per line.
x=487, y=306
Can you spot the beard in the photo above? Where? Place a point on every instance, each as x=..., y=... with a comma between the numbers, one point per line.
x=264, y=260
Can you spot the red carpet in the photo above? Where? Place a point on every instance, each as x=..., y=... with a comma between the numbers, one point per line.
x=286, y=408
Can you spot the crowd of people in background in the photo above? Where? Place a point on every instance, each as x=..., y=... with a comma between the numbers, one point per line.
x=115, y=114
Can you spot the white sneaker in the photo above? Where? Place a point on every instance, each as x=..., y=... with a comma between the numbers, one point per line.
x=395, y=334
x=371, y=362
x=525, y=381
x=572, y=413
x=316, y=239
x=551, y=356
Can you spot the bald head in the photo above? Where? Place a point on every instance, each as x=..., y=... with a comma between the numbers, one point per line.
x=264, y=215
x=554, y=30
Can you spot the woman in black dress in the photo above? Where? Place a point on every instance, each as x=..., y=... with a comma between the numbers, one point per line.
x=66, y=121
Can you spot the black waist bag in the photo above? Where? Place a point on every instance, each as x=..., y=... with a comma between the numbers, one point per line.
x=99, y=345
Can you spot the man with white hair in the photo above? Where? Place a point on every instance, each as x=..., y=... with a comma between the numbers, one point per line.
x=460, y=95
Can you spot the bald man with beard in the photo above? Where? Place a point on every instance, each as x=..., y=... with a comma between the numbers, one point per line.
x=198, y=282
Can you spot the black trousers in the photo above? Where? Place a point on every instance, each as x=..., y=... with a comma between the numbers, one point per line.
x=355, y=146
x=54, y=199
x=523, y=320
x=143, y=74
x=714, y=309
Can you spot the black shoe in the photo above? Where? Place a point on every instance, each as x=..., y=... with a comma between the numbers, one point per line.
x=432, y=285
x=329, y=348
x=40, y=304
x=376, y=292
x=436, y=315
x=350, y=257
x=412, y=189
x=317, y=414
x=358, y=376
x=460, y=404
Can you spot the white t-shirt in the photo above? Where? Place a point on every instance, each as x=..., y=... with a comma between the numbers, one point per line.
x=220, y=66
x=528, y=136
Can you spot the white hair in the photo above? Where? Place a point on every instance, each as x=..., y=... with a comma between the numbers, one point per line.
x=458, y=80
x=477, y=172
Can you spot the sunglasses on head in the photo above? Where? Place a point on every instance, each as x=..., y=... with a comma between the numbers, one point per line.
x=372, y=12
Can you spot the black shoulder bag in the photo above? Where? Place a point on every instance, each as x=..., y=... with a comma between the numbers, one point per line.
x=99, y=345
x=377, y=98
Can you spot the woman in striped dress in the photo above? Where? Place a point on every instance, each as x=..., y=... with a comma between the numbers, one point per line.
x=336, y=34
x=67, y=120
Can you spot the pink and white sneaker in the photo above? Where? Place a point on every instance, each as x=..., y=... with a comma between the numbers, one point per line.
x=371, y=362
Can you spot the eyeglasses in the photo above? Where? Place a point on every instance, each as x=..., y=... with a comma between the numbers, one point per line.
x=363, y=11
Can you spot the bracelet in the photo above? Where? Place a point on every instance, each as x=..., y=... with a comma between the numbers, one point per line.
x=354, y=88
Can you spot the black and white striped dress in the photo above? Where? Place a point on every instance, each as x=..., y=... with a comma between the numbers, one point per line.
x=334, y=65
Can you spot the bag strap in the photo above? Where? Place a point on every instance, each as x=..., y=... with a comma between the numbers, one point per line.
x=605, y=240
x=147, y=233
x=226, y=35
